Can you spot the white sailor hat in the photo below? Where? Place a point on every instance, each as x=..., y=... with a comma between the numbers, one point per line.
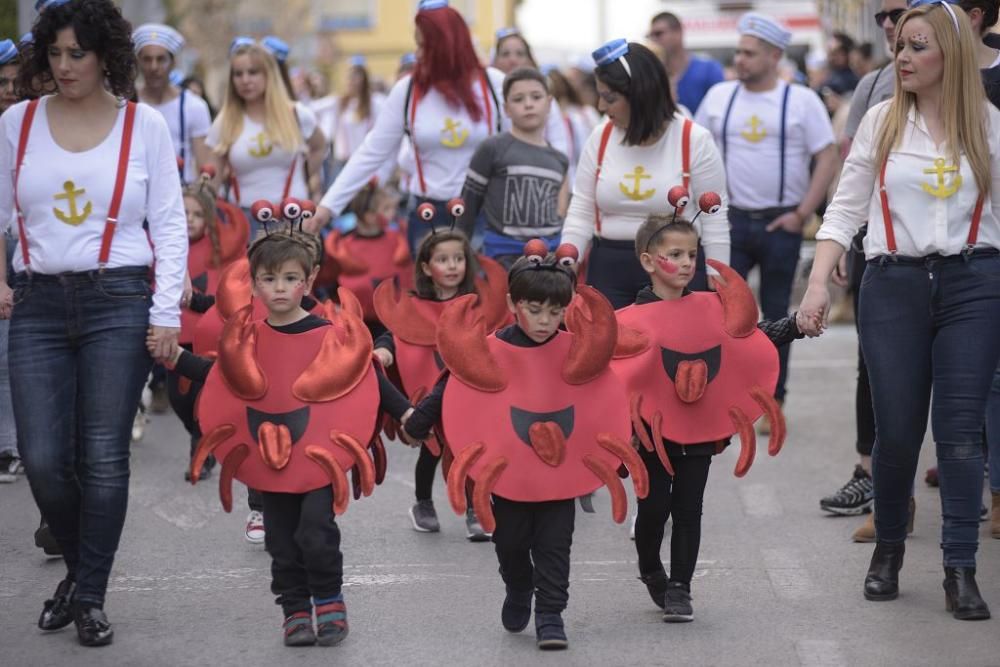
x=157, y=34
x=42, y=5
x=239, y=42
x=277, y=47
x=26, y=38
x=428, y=5
x=764, y=28
x=8, y=51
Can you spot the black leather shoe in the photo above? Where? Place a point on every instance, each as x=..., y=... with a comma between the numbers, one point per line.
x=961, y=594
x=516, y=612
x=92, y=626
x=58, y=612
x=882, y=582
x=656, y=584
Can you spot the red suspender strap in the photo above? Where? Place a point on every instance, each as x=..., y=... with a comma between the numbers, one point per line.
x=413, y=142
x=487, y=102
x=601, y=150
x=22, y=147
x=974, y=230
x=289, y=178
x=116, y=198
x=686, y=153
x=890, y=236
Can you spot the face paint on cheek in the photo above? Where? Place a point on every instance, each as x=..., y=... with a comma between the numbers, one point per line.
x=667, y=266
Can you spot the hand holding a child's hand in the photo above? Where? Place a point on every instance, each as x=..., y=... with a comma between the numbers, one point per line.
x=384, y=357
x=814, y=309
x=407, y=439
x=6, y=301
x=162, y=343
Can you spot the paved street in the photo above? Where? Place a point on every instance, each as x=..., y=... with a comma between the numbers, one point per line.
x=778, y=582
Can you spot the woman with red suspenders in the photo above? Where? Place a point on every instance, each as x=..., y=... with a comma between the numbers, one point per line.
x=924, y=170
x=629, y=163
x=447, y=107
x=83, y=169
x=269, y=144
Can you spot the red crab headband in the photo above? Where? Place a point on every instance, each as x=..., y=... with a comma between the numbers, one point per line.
x=428, y=212
x=287, y=217
x=536, y=257
x=679, y=197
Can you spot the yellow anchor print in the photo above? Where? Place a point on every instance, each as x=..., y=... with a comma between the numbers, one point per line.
x=456, y=136
x=263, y=147
x=636, y=193
x=942, y=190
x=756, y=131
x=70, y=194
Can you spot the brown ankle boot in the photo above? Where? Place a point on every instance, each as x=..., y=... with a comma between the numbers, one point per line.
x=866, y=532
x=995, y=521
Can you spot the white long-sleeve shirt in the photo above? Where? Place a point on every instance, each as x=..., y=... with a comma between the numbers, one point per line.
x=65, y=197
x=556, y=132
x=445, y=138
x=929, y=213
x=342, y=126
x=634, y=184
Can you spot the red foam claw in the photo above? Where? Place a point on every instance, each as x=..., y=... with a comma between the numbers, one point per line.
x=341, y=487
x=638, y=425
x=630, y=458
x=607, y=475
x=207, y=445
x=661, y=451
x=748, y=440
x=379, y=458
x=484, y=490
x=458, y=474
x=775, y=416
x=230, y=465
x=359, y=453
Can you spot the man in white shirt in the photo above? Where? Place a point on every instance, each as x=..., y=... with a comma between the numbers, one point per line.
x=187, y=115
x=769, y=132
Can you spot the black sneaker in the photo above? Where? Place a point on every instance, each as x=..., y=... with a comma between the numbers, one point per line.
x=10, y=467
x=516, y=612
x=473, y=529
x=677, y=603
x=92, y=626
x=550, y=635
x=424, y=518
x=46, y=542
x=855, y=497
x=656, y=584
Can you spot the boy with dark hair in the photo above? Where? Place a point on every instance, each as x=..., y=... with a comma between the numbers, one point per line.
x=515, y=178
x=302, y=536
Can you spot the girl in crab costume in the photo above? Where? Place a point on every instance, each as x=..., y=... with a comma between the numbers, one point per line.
x=699, y=368
x=446, y=268
x=370, y=253
x=551, y=425
x=290, y=407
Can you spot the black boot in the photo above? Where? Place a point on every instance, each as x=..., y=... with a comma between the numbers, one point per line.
x=882, y=582
x=92, y=626
x=961, y=594
x=549, y=632
x=656, y=584
x=58, y=612
x=516, y=610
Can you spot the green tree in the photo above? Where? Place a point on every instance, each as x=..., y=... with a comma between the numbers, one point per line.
x=8, y=19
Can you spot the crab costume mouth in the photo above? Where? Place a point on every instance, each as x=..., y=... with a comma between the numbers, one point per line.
x=691, y=373
x=545, y=432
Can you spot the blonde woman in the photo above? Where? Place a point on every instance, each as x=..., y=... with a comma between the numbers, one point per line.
x=924, y=168
x=269, y=145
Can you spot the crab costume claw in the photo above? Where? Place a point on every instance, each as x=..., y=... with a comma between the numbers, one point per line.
x=235, y=288
x=748, y=441
x=630, y=459
x=363, y=461
x=347, y=347
x=493, y=293
x=396, y=310
x=463, y=347
x=483, y=491
x=338, y=478
x=234, y=459
x=237, y=362
x=590, y=318
x=207, y=445
x=458, y=475
x=738, y=304
x=774, y=415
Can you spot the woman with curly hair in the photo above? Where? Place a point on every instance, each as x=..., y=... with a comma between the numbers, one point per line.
x=84, y=168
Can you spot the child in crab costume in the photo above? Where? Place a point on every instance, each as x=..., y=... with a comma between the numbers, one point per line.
x=291, y=405
x=699, y=368
x=446, y=268
x=369, y=254
x=551, y=424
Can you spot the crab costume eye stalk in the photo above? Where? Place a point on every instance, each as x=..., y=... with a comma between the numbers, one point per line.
x=558, y=428
x=678, y=197
x=456, y=207
x=208, y=172
x=308, y=210
x=291, y=209
x=426, y=211
x=567, y=255
x=263, y=211
x=536, y=251
x=705, y=378
x=710, y=203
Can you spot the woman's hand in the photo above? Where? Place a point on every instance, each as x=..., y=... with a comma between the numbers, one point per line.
x=162, y=343
x=814, y=309
x=318, y=221
x=6, y=301
x=188, y=291
x=840, y=277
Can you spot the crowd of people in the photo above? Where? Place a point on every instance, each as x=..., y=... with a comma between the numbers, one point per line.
x=509, y=240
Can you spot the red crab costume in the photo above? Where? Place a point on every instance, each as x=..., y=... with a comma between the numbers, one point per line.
x=699, y=370
x=536, y=424
x=362, y=263
x=293, y=413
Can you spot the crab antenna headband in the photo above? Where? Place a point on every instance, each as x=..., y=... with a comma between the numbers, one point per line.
x=678, y=197
x=944, y=3
x=614, y=50
x=537, y=251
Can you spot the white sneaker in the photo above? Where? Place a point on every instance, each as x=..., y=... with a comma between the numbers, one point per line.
x=255, y=527
x=139, y=424
x=631, y=530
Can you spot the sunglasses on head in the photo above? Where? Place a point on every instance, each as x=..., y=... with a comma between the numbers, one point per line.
x=893, y=16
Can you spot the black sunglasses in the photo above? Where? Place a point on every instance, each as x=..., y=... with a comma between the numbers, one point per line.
x=893, y=16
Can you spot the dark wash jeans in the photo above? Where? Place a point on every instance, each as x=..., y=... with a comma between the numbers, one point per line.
x=777, y=255
x=78, y=363
x=931, y=323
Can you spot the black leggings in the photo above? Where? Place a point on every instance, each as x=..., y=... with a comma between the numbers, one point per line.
x=680, y=497
x=427, y=465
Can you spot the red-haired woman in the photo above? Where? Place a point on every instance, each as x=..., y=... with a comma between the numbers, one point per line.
x=447, y=107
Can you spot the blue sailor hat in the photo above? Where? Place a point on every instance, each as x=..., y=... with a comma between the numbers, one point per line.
x=428, y=5
x=8, y=51
x=157, y=34
x=357, y=60
x=277, y=47
x=764, y=28
x=408, y=59
x=610, y=52
x=42, y=5
x=239, y=42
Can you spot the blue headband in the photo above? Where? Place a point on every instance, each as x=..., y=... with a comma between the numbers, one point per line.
x=357, y=61
x=8, y=51
x=42, y=5
x=504, y=33
x=240, y=42
x=944, y=3
x=277, y=47
x=611, y=51
x=428, y=5
x=408, y=59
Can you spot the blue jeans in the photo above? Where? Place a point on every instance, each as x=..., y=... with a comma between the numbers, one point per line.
x=8, y=434
x=993, y=432
x=777, y=255
x=78, y=363
x=931, y=323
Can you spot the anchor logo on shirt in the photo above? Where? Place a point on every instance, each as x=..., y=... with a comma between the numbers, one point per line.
x=263, y=147
x=70, y=194
x=637, y=193
x=456, y=136
x=756, y=131
x=942, y=190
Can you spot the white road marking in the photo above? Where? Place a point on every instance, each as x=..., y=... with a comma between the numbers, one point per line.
x=820, y=653
x=760, y=500
x=789, y=577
